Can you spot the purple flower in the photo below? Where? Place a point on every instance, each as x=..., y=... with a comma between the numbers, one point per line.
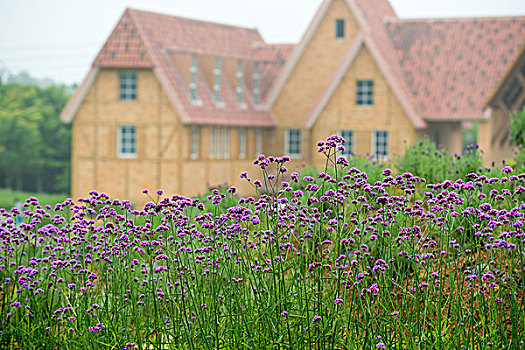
x=317, y=318
x=380, y=346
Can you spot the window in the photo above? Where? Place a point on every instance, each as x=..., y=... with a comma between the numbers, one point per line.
x=127, y=141
x=217, y=79
x=193, y=72
x=256, y=83
x=219, y=143
x=348, y=135
x=242, y=143
x=258, y=142
x=226, y=142
x=293, y=142
x=339, y=28
x=128, y=85
x=380, y=143
x=212, y=142
x=364, y=93
x=240, y=78
x=194, y=142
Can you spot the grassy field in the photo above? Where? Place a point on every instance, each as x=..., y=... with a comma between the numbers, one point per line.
x=9, y=197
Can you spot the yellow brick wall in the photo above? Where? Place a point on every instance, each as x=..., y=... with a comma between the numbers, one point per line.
x=315, y=69
x=95, y=164
x=341, y=112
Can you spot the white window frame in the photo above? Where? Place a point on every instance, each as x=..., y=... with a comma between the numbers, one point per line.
x=375, y=138
x=194, y=142
x=258, y=141
x=226, y=138
x=291, y=136
x=128, y=85
x=123, y=139
x=242, y=143
x=220, y=149
x=362, y=93
x=217, y=79
x=212, y=142
x=240, y=81
x=349, y=142
x=256, y=83
x=193, y=80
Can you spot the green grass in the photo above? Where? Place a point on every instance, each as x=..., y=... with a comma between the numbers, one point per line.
x=9, y=197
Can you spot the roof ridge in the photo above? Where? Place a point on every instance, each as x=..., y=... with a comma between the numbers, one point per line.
x=191, y=19
x=450, y=19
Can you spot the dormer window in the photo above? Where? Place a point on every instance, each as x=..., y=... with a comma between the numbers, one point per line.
x=128, y=85
x=240, y=78
x=256, y=83
x=339, y=28
x=217, y=79
x=193, y=80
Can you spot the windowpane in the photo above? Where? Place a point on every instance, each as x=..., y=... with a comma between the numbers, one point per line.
x=219, y=143
x=240, y=78
x=195, y=142
x=256, y=83
x=340, y=28
x=242, y=143
x=226, y=142
x=193, y=72
x=217, y=82
x=126, y=141
x=212, y=142
x=381, y=143
x=258, y=142
x=293, y=142
x=364, y=93
x=128, y=85
x=348, y=135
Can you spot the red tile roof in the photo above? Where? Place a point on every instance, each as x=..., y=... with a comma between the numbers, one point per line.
x=143, y=39
x=440, y=69
x=184, y=34
x=451, y=66
x=124, y=48
x=272, y=59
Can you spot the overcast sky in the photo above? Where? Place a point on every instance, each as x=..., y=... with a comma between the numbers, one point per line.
x=60, y=38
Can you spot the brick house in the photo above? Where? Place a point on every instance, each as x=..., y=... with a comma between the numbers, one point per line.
x=182, y=104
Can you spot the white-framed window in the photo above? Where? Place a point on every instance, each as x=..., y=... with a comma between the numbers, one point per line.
x=339, y=28
x=193, y=81
x=380, y=143
x=219, y=143
x=127, y=141
x=258, y=141
x=364, y=93
x=217, y=79
x=242, y=143
x=348, y=135
x=212, y=142
x=194, y=142
x=226, y=142
x=240, y=80
x=256, y=83
x=128, y=85
x=292, y=142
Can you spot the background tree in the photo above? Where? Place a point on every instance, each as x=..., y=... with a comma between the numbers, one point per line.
x=34, y=143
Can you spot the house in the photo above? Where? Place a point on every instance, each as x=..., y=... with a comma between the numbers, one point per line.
x=182, y=104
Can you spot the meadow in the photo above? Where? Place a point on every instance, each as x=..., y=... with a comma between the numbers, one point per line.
x=343, y=258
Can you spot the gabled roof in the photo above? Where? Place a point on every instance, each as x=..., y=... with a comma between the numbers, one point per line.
x=452, y=66
x=144, y=39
